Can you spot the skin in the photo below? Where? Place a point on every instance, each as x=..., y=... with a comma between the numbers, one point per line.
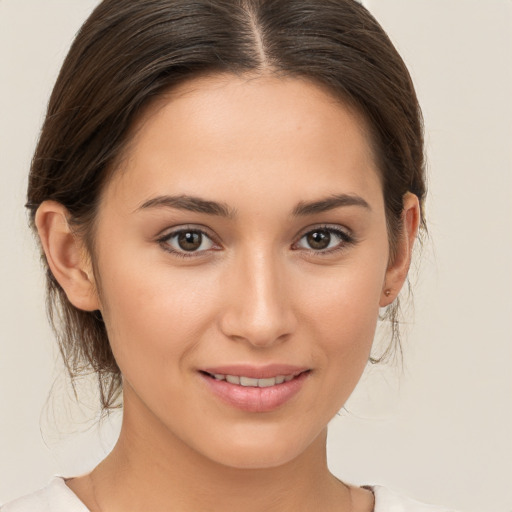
x=256, y=292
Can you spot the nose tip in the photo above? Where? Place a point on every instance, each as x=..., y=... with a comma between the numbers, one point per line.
x=259, y=331
x=258, y=306
x=259, y=340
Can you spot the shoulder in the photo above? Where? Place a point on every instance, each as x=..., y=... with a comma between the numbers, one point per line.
x=391, y=501
x=55, y=497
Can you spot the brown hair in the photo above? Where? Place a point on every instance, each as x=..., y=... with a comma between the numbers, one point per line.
x=129, y=52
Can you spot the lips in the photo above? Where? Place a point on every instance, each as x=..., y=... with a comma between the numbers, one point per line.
x=255, y=389
x=256, y=372
x=243, y=380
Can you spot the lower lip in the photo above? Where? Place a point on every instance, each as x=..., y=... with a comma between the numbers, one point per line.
x=253, y=399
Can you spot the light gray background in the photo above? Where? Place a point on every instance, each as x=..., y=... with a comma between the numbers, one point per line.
x=441, y=429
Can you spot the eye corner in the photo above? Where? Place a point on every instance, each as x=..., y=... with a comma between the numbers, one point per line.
x=344, y=235
x=169, y=242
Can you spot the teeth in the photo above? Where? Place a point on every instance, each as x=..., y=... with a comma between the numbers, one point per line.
x=255, y=383
x=266, y=383
x=247, y=381
x=233, y=379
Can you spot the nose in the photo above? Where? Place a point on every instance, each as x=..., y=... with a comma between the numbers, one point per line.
x=257, y=303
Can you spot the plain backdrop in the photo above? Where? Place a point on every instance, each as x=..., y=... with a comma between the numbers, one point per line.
x=439, y=429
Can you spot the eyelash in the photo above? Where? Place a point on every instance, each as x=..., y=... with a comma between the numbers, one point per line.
x=346, y=239
x=164, y=242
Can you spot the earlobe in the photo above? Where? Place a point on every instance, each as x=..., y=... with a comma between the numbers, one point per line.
x=66, y=256
x=396, y=273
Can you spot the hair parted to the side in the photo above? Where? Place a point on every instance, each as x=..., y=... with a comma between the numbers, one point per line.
x=129, y=52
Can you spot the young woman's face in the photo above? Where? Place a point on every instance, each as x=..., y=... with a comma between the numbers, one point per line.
x=242, y=255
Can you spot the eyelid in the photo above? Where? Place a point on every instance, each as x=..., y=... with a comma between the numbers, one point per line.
x=168, y=233
x=327, y=227
x=170, y=230
x=346, y=235
x=342, y=232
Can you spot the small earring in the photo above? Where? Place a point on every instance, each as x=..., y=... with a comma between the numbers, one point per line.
x=387, y=293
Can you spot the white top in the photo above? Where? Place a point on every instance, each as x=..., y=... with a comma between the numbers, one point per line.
x=58, y=497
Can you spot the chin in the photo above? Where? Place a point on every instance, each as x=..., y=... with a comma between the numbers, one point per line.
x=257, y=459
x=262, y=451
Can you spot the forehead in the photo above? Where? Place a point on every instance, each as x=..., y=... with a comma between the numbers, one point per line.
x=271, y=134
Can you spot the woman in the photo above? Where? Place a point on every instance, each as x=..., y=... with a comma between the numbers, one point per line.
x=227, y=195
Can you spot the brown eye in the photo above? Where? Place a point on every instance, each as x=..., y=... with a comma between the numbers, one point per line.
x=324, y=240
x=318, y=239
x=185, y=242
x=190, y=240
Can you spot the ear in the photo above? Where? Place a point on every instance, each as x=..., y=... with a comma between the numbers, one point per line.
x=66, y=255
x=397, y=270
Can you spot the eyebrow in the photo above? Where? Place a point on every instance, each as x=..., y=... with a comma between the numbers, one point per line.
x=191, y=204
x=329, y=203
x=303, y=208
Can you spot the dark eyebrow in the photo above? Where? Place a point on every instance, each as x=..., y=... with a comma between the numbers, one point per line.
x=191, y=204
x=198, y=205
x=329, y=203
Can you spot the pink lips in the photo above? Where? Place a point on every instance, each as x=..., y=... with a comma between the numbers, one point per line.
x=252, y=398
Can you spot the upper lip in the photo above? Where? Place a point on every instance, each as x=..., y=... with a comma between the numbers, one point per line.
x=255, y=372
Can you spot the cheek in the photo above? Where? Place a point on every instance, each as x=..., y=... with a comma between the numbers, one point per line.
x=345, y=304
x=154, y=315
x=342, y=313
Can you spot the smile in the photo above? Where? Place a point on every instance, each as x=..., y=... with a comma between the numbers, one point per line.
x=255, y=389
x=252, y=382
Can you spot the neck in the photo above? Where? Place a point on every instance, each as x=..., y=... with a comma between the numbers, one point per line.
x=151, y=469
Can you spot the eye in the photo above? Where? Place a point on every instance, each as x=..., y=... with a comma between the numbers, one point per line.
x=186, y=242
x=324, y=239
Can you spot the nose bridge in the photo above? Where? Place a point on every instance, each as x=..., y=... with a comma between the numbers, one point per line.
x=259, y=306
